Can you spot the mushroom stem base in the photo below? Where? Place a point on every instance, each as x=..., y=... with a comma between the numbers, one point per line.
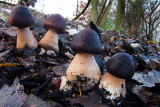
x=50, y=41
x=113, y=87
x=84, y=70
x=25, y=37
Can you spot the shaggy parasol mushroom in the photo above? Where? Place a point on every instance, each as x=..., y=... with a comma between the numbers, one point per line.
x=119, y=67
x=55, y=24
x=21, y=17
x=83, y=72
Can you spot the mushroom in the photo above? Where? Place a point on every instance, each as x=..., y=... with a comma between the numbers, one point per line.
x=21, y=17
x=83, y=72
x=55, y=24
x=119, y=67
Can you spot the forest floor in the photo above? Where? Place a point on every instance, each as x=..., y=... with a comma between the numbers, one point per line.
x=25, y=74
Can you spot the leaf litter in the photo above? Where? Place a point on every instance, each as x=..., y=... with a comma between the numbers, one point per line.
x=36, y=68
x=13, y=96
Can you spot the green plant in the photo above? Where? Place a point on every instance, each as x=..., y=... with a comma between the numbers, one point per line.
x=109, y=26
x=66, y=18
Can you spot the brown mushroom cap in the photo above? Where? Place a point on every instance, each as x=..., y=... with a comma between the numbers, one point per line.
x=121, y=65
x=55, y=22
x=20, y=17
x=86, y=41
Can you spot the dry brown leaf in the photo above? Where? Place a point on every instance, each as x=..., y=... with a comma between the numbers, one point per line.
x=11, y=31
x=13, y=96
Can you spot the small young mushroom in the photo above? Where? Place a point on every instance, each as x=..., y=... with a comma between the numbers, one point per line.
x=83, y=72
x=21, y=17
x=55, y=24
x=119, y=67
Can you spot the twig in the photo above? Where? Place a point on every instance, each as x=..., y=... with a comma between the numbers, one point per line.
x=89, y=1
x=148, y=15
x=7, y=3
x=141, y=48
x=37, y=92
x=3, y=62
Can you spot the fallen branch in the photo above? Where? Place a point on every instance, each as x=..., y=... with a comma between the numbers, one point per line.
x=37, y=91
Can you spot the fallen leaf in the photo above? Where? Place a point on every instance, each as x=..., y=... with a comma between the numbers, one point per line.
x=61, y=70
x=135, y=45
x=112, y=39
x=2, y=46
x=13, y=96
x=142, y=92
x=154, y=64
x=147, y=79
x=11, y=31
x=151, y=42
x=33, y=101
x=91, y=100
x=151, y=99
x=94, y=27
x=69, y=55
x=9, y=64
x=4, y=53
x=72, y=31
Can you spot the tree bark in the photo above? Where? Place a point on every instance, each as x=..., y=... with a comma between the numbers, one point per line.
x=104, y=17
x=94, y=12
x=101, y=11
x=119, y=21
x=148, y=15
x=89, y=1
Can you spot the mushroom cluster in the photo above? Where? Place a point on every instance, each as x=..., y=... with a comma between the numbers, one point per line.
x=83, y=72
x=21, y=17
x=119, y=67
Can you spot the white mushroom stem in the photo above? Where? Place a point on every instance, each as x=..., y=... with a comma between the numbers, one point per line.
x=50, y=41
x=64, y=86
x=25, y=37
x=85, y=70
x=114, y=86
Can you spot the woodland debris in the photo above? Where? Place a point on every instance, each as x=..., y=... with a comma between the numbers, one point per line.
x=13, y=96
x=147, y=79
